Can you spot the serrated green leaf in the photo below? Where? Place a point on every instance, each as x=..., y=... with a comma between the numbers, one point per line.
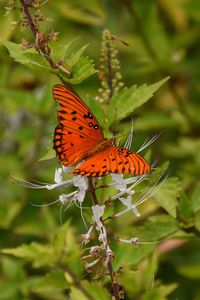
x=60, y=51
x=27, y=57
x=167, y=195
x=74, y=57
x=36, y=61
x=68, y=53
x=128, y=99
x=82, y=70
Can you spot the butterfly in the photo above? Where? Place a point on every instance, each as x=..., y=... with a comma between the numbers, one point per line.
x=79, y=138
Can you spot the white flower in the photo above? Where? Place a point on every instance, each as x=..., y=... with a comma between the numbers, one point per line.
x=81, y=182
x=128, y=203
x=98, y=211
x=58, y=175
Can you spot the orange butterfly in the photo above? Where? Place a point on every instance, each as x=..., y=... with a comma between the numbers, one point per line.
x=78, y=137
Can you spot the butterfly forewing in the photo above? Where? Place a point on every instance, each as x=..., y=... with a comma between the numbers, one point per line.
x=113, y=160
x=78, y=131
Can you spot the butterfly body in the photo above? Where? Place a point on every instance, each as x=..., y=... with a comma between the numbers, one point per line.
x=78, y=137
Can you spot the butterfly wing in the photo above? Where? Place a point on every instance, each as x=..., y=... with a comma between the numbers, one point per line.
x=113, y=160
x=78, y=131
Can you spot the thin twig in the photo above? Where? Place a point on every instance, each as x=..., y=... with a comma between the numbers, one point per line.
x=41, y=44
x=115, y=284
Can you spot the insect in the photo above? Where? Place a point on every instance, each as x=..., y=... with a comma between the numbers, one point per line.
x=79, y=138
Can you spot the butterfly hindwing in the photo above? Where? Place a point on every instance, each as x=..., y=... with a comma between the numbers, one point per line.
x=78, y=131
x=113, y=160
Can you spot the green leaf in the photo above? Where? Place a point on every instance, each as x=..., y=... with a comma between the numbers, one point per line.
x=89, y=291
x=127, y=254
x=149, y=267
x=74, y=57
x=5, y=23
x=190, y=271
x=27, y=57
x=60, y=51
x=156, y=228
x=82, y=12
x=78, y=294
x=66, y=249
x=167, y=195
x=159, y=293
x=83, y=69
x=54, y=280
x=155, y=33
x=128, y=99
x=72, y=60
x=185, y=207
x=38, y=254
x=196, y=199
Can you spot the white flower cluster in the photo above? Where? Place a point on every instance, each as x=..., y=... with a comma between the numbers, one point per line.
x=125, y=192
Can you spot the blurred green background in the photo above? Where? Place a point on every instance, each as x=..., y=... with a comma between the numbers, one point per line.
x=163, y=39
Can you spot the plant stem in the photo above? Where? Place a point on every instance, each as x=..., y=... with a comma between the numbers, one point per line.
x=41, y=44
x=115, y=284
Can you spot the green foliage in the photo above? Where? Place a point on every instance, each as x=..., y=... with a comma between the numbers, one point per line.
x=168, y=194
x=40, y=258
x=127, y=100
x=73, y=62
x=27, y=57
